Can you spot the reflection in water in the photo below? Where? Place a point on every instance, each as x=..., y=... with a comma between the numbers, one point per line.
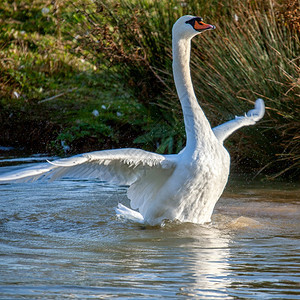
x=62, y=240
x=208, y=263
x=191, y=259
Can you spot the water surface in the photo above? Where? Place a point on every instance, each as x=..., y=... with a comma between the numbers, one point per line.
x=62, y=240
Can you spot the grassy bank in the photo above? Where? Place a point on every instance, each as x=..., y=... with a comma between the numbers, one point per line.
x=253, y=53
x=49, y=91
x=94, y=76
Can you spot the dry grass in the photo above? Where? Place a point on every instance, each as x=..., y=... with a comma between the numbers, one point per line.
x=253, y=53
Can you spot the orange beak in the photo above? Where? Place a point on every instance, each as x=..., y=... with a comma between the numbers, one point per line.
x=200, y=26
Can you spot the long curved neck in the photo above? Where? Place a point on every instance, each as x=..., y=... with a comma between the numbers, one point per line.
x=196, y=124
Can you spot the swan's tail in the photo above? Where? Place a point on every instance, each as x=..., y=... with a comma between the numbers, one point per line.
x=129, y=214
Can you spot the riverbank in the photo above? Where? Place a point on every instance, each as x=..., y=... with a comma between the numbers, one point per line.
x=63, y=92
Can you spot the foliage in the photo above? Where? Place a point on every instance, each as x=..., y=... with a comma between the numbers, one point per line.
x=257, y=57
x=52, y=91
x=253, y=53
x=83, y=55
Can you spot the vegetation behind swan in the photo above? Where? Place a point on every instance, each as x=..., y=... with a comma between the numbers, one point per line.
x=263, y=32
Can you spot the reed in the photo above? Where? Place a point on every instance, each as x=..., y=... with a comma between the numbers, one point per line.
x=253, y=53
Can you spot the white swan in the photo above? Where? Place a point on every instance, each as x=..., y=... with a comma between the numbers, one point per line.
x=182, y=187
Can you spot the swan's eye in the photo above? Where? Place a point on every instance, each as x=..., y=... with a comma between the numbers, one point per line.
x=195, y=22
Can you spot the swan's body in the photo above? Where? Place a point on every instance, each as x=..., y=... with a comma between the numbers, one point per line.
x=182, y=187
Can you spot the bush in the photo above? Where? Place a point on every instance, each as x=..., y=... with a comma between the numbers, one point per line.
x=253, y=53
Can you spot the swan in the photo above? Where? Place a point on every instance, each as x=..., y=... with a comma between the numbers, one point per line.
x=183, y=186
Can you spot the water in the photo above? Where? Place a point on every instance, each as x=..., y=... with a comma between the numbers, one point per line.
x=62, y=240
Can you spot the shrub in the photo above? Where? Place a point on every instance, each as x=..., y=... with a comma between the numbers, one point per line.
x=253, y=53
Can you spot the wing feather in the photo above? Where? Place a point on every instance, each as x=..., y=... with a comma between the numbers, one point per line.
x=122, y=166
x=143, y=171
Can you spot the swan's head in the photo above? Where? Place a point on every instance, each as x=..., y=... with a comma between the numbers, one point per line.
x=189, y=26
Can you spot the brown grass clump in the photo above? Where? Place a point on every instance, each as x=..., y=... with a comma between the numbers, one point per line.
x=253, y=53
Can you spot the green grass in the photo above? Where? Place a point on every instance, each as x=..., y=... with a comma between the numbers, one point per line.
x=253, y=53
x=115, y=57
x=49, y=90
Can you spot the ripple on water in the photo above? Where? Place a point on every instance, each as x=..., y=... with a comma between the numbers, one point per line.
x=62, y=240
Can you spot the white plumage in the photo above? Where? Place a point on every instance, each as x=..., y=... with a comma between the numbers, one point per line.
x=183, y=187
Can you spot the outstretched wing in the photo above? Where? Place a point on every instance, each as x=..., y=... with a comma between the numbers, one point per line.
x=224, y=130
x=258, y=112
x=121, y=166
